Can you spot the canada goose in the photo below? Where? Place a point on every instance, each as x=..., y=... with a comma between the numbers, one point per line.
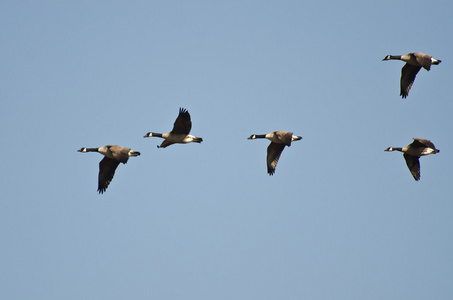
x=113, y=155
x=412, y=153
x=279, y=139
x=414, y=62
x=180, y=133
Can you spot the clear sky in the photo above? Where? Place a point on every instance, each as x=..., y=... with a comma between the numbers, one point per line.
x=340, y=219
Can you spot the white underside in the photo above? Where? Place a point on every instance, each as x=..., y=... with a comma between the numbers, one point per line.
x=274, y=138
x=428, y=151
x=183, y=139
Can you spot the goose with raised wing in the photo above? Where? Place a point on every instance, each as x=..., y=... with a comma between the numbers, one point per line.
x=113, y=156
x=279, y=139
x=180, y=132
x=412, y=153
x=414, y=62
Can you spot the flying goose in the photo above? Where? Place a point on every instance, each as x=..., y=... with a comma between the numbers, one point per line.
x=414, y=62
x=279, y=139
x=180, y=132
x=412, y=153
x=113, y=155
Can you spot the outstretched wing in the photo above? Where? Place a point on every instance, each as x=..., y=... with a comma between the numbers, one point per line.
x=423, y=143
x=120, y=153
x=424, y=60
x=408, y=74
x=285, y=137
x=413, y=164
x=107, y=168
x=182, y=124
x=165, y=144
x=273, y=155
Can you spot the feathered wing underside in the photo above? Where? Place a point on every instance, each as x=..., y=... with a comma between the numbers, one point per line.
x=165, y=143
x=408, y=74
x=107, y=168
x=285, y=137
x=120, y=153
x=273, y=155
x=413, y=164
x=424, y=60
x=182, y=125
x=418, y=142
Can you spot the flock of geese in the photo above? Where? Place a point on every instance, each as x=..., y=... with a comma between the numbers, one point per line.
x=180, y=134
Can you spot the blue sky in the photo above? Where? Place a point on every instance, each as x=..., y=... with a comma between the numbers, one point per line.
x=340, y=219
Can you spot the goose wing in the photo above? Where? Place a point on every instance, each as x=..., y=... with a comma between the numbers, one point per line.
x=120, y=154
x=413, y=164
x=273, y=154
x=165, y=144
x=285, y=137
x=107, y=168
x=423, y=143
x=182, y=124
x=423, y=59
x=408, y=74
